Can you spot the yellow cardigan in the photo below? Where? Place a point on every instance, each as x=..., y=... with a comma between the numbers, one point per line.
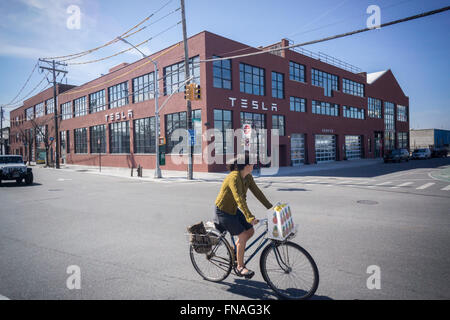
x=233, y=194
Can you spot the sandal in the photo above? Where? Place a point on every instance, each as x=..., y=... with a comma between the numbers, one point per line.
x=248, y=275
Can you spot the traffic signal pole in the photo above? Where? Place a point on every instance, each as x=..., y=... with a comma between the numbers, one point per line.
x=189, y=108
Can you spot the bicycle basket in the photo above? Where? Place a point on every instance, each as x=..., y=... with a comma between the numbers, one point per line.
x=199, y=239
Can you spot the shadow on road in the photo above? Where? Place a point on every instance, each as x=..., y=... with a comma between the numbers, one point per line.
x=378, y=169
x=13, y=184
x=257, y=290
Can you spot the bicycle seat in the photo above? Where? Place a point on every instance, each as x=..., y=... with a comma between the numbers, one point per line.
x=219, y=227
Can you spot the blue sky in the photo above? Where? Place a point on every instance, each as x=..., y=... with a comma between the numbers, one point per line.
x=417, y=52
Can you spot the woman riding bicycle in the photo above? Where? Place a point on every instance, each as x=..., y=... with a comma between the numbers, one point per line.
x=231, y=200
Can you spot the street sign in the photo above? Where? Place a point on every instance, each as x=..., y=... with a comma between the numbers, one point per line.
x=191, y=137
x=247, y=130
x=51, y=138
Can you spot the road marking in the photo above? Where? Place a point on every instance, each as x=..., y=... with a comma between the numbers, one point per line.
x=447, y=188
x=309, y=181
x=426, y=185
x=345, y=182
x=402, y=185
x=384, y=183
x=363, y=182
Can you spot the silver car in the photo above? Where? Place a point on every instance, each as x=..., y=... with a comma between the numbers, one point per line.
x=13, y=168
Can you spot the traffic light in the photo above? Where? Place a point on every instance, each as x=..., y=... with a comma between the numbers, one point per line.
x=197, y=93
x=188, y=92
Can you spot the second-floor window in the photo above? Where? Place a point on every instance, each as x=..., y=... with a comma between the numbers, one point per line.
x=118, y=95
x=66, y=110
x=325, y=108
x=29, y=113
x=374, y=108
x=297, y=104
x=39, y=109
x=222, y=74
x=327, y=81
x=296, y=72
x=251, y=79
x=97, y=101
x=352, y=87
x=277, y=85
x=80, y=107
x=144, y=87
x=50, y=106
x=402, y=113
x=352, y=112
x=174, y=75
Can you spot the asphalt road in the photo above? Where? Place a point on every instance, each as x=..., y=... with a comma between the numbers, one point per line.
x=128, y=236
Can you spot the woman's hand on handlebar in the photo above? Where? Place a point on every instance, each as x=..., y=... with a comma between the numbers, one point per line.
x=254, y=222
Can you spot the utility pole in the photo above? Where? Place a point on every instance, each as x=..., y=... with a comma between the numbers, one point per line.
x=187, y=76
x=156, y=97
x=53, y=64
x=1, y=130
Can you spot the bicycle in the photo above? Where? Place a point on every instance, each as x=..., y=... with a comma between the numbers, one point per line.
x=285, y=259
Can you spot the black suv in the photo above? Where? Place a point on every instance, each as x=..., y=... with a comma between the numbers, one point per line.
x=13, y=168
x=397, y=155
x=439, y=152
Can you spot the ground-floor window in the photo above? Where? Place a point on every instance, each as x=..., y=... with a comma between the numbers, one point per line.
x=402, y=138
x=297, y=149
x=119, y=137
x=98, y=139
x=325, y=148
x=278, y=123
x=389, y=140
x=223, y=121
x=144, y=135
x=80, y=139
x=353, y=148
x=179, y=121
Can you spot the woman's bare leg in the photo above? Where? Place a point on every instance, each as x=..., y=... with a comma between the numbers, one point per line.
x=240, y=246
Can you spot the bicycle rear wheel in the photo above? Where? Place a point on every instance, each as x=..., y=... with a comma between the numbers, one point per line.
x=215, y=265
x=289, y=270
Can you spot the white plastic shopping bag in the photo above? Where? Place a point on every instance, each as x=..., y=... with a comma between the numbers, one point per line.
x=280, y=222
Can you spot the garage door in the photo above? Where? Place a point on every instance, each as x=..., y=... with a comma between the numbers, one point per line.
x=325, y=148
x=353, y=147
x=297, y=149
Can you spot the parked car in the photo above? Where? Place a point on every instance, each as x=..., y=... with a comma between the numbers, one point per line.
x=13, y=168
x=397, y=155
x=439, y=152
x=423, y=153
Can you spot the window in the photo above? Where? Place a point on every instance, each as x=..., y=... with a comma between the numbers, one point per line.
x=374, y=108
x=144, y=135
x=297, y=104
x=119, y=137
x=278, y=123
x=352, y=112
x=50, y=106
x=118, y=95
x=97, y=101
x=29, y=113
x=40, y=134
x=389, y=116
x=352, y=87
x=296, y=72
x=64, y=137
x=222, y=74
x=80, y=139
x=252, y=79
x=66, y=110
x=144, y=87
x=39, y=109
x=257, y=120
x=277, y=85
x=401, y=113
x=98, y=138
x=174, y=75
x=325, y=80
x=402, y=138
x=325, y=108
x=223, y=121
x=80, y=107
x=178, y=121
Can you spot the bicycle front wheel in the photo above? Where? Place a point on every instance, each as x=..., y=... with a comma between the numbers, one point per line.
x=215, y=265
x=289, y=270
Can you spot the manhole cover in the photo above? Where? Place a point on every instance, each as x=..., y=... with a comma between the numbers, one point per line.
x=366, y=202
x=55, y=189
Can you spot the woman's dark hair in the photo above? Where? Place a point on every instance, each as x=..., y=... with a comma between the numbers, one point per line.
x=239, y=162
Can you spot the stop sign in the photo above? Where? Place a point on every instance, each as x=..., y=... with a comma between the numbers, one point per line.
x=247, y=129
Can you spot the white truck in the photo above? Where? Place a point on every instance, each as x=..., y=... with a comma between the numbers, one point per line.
x=12, y=167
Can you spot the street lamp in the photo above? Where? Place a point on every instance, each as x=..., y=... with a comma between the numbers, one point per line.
x=156, y=94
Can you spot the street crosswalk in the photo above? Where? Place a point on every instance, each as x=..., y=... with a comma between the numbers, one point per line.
x=419, y=184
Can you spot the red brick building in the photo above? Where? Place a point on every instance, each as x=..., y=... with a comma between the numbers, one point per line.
x=325, y=109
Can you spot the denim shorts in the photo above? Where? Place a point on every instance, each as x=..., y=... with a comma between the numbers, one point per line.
x=234, y=224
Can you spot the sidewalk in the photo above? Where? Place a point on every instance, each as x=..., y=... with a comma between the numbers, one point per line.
x=181, y=176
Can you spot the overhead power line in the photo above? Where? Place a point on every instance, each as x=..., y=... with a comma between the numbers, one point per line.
x=13, y=101
x=126, y=50
x=112, y=41
x=417, y=16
